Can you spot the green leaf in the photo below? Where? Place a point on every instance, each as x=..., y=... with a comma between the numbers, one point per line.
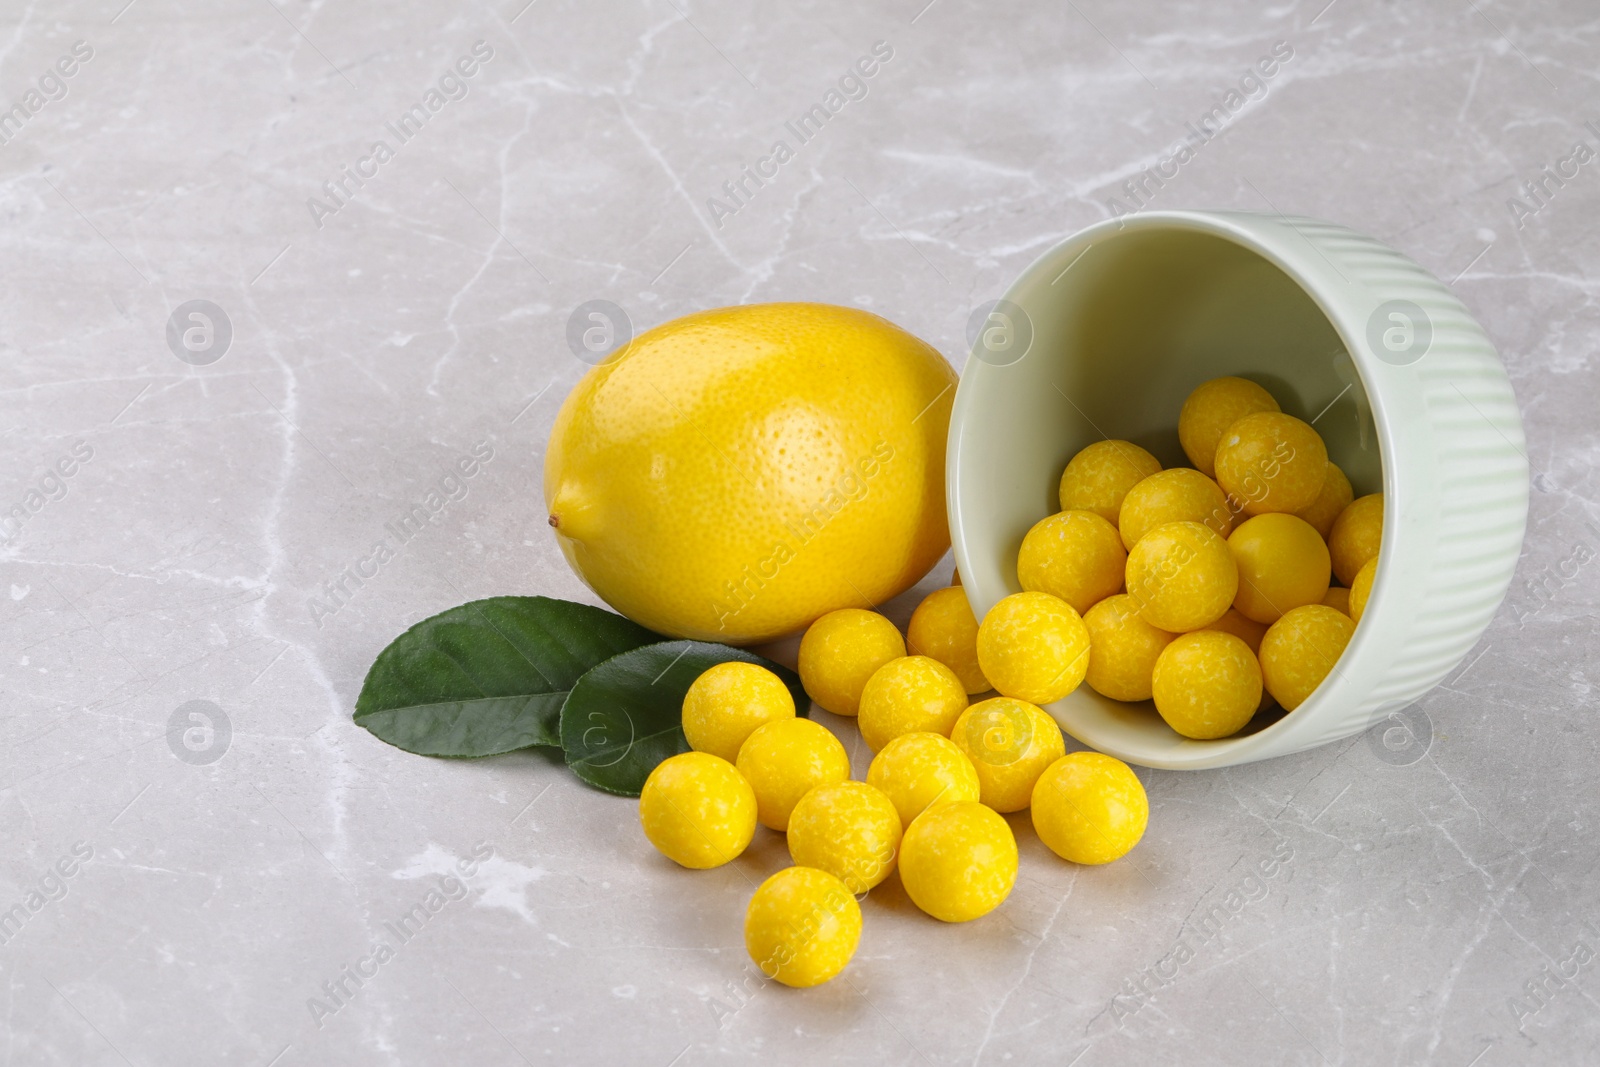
x=626, y=715
x=489, y=676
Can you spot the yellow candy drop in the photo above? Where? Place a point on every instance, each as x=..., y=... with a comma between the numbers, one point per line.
x=908, y=695
x=1010, y=743
x=1333, y=498
x=728, y=702
x=1282, y=565
x=1074, y=555
x=1207, y=685
x=1357, y=535
x=1301, y=649
x=916, y=771
x=785, y=760
x=849, y=829
x=1176, y=495
x=1270, y=461
x=1122, y=649
x=1250, y=632
x=1182, y=576
x=944, y=628
x=1361, y=588
x=1338, y=598
x=1090, y=808
x=1034, y=647
x=958, y=861
x=1098, y=477
x=697, y=810
x=1211, y=409
x=802, y=926
x=1247, y=630
x=840, y=651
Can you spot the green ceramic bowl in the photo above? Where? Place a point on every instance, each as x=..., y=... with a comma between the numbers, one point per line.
x=1107, y=333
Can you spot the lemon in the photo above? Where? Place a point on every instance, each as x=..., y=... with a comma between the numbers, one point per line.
x=912, y=694
x=944, y=628
x=840, y=651
x=917, y=771
x=728, y=702
x=958, y=861
x=849, y=829
x=734, y=474
x=786, y=759
x=698, y=810
x=1090, y=808
x=802, y=926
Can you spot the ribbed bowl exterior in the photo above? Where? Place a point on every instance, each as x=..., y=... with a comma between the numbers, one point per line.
x=1453, y=452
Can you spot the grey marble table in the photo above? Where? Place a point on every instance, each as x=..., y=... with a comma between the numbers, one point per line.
x=180, y=496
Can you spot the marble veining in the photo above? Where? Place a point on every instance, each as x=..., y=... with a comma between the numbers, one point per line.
x=274, y=269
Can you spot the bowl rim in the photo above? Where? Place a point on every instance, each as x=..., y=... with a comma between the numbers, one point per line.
x=1240, y=228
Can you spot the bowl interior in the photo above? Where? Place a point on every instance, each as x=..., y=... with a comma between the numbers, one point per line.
x=1125, y=323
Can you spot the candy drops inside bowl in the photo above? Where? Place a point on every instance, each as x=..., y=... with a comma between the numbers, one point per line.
x=1219, y=592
